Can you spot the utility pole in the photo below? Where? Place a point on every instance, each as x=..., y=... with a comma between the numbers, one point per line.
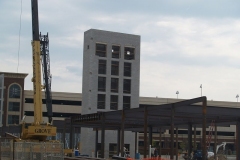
x=201, y=89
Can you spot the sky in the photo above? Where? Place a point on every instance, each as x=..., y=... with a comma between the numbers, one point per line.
x=184, y=43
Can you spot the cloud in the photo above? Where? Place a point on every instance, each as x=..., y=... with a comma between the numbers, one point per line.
x=194, y=39
x=183, y=44
x=218, y=83
x=77, y=70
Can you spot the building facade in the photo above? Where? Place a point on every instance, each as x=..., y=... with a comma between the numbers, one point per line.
x=1, y=97
x=12, y=97
x=111, y=71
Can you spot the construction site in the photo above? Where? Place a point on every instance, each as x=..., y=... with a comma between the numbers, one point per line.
x=108, y=120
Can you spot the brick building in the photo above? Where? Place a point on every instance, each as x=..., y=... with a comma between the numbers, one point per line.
x=12, y=97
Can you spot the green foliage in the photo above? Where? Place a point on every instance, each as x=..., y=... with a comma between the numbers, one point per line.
x=184, y=145
x=154, y=144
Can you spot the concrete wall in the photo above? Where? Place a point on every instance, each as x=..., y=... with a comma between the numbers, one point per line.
x=90, y=68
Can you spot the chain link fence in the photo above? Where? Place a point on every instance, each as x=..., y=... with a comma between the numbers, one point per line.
x=10, y=150
x=6, y=148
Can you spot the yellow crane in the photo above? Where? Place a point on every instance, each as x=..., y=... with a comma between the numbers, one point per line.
x=37, y=130
x=33, y=142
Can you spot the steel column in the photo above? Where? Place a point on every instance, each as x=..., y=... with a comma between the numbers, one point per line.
x=215, y=142
x=136, y=142
x=237, y=140
x=160, y=142
x=204, y=112
x=150, y=136
x=102, y=136
x=118, y=141
x=195, y=132
x=189, y=139
x=96, y=142
x=71, y=134
x=172, y=133
x=122, y=133
x=145, y=132
x=177, y=143
x=64, y=134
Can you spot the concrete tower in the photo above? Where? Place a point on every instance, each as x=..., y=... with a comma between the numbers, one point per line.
x=111, y=71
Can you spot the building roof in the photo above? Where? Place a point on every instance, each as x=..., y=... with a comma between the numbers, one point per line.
x=14, y=75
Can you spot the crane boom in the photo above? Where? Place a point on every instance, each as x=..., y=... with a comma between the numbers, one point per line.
x=35, y=23
x=37, y=85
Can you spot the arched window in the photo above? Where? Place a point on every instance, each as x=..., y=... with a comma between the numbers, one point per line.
x=14, y=91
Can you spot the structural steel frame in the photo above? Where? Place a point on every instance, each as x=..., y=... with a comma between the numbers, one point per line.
x=157, y=118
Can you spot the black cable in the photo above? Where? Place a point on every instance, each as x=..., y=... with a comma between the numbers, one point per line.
x=19, y=36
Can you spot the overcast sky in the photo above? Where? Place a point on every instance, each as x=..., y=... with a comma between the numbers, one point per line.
x=184, y=43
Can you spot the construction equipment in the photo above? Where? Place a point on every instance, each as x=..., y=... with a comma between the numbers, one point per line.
x=221, y=145
x=38, y=130
x=198, y=153
x=33, y=143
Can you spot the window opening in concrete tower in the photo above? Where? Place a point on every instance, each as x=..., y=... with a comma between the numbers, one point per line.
x=14, y=106
x=101, y=101
x=114, y=84
x=115, y=68
x=13, y=119
x=101, y=50
x=126, y=102
x=127, y=69
x=114, y=102
x=1, y=79
x=115, y=51
x=102, y=66
x=127, y=86
x=102, y=84
x=129, y=53
x=14, y=91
